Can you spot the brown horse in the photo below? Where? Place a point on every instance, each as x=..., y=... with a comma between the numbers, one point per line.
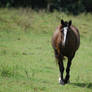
x=65, y=42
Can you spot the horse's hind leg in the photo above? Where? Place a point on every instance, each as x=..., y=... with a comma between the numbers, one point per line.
x=68, y=68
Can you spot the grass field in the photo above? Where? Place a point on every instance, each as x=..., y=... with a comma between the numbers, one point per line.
x=27, y=62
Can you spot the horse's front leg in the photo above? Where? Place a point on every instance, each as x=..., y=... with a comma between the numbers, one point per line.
x=68, y=68
x=61, y=66
x=61, y=69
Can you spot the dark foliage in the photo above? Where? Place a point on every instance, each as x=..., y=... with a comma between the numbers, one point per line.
x=73, y=6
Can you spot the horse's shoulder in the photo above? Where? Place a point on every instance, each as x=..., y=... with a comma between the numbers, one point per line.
x=56, y=38
x=57, y=32
x=77, y=35
x=74, y=29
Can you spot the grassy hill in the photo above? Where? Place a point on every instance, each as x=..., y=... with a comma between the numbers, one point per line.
x=27, y=62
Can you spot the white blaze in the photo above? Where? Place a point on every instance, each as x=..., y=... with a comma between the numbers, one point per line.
x=65, y=34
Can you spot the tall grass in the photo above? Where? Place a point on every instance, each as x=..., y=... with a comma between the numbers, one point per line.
x=27, y=61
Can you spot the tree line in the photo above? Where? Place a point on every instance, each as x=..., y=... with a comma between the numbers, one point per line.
x=74, y=6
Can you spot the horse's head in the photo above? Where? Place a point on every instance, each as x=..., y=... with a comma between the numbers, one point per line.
x=65, y=28
x=65, y=25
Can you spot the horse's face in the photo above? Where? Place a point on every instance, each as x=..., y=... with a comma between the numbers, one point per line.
x=65, y=25
x=65, y=29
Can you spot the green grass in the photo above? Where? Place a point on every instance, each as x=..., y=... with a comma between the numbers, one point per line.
x=27, y=62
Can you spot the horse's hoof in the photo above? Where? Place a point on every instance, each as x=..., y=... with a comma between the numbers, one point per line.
x=61, y=81
x=66, y=81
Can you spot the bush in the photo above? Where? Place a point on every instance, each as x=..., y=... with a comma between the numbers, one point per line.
x=88, y=5
x=73, y=6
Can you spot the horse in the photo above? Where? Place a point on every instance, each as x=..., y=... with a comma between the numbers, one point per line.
x=65, y=42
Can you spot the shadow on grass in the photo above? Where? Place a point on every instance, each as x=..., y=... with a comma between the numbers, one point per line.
x=87, y=85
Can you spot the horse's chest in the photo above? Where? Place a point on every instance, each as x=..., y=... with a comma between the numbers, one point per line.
x=70, y=46
x=66, y=51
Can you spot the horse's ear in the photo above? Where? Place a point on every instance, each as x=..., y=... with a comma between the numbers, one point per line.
x=70, y=23
x=62, y=21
